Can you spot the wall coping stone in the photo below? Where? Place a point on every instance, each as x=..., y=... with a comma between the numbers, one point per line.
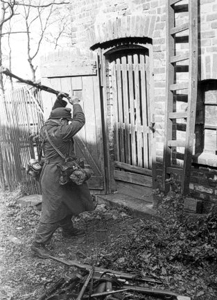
x=204, y=158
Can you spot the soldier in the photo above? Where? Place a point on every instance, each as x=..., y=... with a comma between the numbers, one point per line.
x=60, y=202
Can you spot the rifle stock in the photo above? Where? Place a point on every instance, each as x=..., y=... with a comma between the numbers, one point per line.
x=29, y=82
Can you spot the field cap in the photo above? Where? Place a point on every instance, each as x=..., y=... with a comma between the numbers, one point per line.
x=61, y=113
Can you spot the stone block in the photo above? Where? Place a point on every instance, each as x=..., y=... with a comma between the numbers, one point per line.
x=193, y=205
x=211, y=17
x=203, y=189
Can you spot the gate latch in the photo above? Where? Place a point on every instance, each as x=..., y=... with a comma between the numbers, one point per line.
x=151, y=126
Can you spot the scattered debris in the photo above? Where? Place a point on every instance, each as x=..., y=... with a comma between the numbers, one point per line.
x=30, y=200
x=178, y=251
x=98, y=283
x=15, y=240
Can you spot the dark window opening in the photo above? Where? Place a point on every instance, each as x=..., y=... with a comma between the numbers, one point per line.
x=208, y=118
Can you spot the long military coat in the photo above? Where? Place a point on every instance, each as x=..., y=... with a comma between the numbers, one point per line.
x=59, y=201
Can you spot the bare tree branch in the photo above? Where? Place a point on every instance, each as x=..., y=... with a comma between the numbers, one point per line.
x=44, y=6
x=12, y=32
x=9, y=5
x=43, y=29
x=37, y=16
x=62, y=32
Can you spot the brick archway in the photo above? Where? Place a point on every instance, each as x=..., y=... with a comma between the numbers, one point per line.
x=136, y=26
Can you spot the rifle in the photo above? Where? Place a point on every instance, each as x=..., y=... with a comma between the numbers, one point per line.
x=98, y=272
x=29, y=82
x=53, y=289
x=121, y=279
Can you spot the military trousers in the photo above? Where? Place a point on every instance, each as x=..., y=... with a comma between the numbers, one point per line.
x=46, y=230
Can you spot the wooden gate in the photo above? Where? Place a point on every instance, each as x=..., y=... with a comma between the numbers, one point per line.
x=82, y=81
x=128, y=75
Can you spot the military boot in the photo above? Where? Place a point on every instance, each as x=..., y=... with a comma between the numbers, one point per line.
x=72, y=232
x=39, y=250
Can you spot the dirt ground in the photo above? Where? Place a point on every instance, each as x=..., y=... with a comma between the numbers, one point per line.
x=114, y=239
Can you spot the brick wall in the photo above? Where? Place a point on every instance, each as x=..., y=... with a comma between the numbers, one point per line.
x=204, y=185
x=98, y=21
x=208, y=39
x=204, y=172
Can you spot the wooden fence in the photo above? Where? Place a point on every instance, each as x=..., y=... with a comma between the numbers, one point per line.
x=21, y=117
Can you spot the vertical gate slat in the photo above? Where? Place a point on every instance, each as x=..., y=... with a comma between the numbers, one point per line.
x=57, y=84
x=150, y=106
x=139, y=139
x=89, y=131
x=15, y=137
x=120, y=110
x=24, y=123
x=20, y=116
x=102, y=67
x=144, y=111
x=8, y=164
x=30, y=123
x=126, y=110
x=49, y=98
x=66, y=85
x=132, y=110
x=115, y=111
x=98, y=124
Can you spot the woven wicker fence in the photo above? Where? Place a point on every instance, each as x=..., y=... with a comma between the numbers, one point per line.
x=21, y=117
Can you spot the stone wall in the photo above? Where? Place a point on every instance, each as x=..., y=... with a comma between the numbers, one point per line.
x=97, y=21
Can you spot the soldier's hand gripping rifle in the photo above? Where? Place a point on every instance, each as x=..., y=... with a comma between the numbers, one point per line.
x=29, y=82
